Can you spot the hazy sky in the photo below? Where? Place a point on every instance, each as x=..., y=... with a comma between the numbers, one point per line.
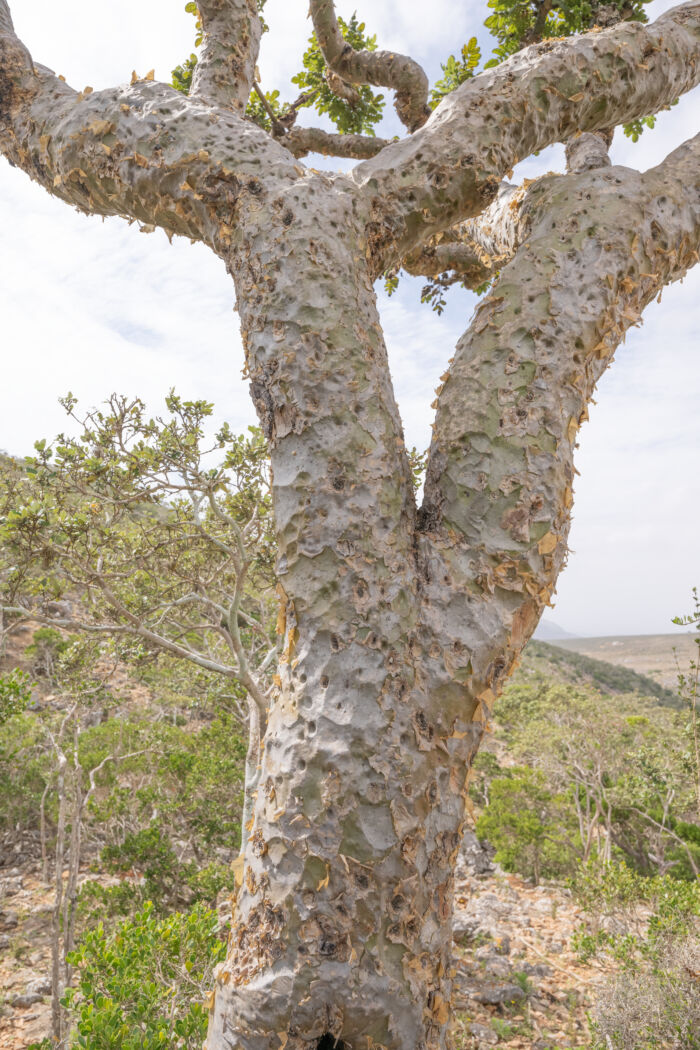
x=95, y=307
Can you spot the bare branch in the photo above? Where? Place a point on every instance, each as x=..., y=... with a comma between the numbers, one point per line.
x=451, y=168
x=132, y=628
x=226, y=67
x=666, y=830
x=381, y=68
x=275, y=123
x=300, y=141
x=341, y=88
x=474, y=250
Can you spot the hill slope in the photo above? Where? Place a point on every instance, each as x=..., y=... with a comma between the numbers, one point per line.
x=564, y=664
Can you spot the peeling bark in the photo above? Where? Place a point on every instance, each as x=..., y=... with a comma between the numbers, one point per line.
x=400, y=625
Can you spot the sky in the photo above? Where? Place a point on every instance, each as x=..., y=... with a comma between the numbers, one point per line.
x=95, y=307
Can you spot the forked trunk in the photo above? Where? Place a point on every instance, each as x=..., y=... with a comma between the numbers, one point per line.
x=342, y=926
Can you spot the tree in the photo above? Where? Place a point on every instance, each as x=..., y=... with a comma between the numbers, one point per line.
x=130, y=533
x=400, y=623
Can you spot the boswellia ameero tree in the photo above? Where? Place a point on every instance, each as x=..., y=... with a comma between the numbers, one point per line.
x=400, y=622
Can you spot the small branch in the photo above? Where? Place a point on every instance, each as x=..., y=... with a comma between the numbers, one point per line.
x=135, y=629
x=277, y=127
x=664, y=829
x=341, y=88
x=300, y=141
x=380, y=68
x=540, y=21
x=467, y=265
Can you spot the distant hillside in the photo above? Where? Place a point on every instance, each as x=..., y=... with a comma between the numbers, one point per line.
x=579, y=669
x=548, y=630
x=659, y=656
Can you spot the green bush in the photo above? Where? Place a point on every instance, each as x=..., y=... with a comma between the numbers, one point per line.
x=530, y=825
x=144, y=985
x=25, y=766
x=15, y=694
x=163, y=879
x=149, y=852
x=46, y=647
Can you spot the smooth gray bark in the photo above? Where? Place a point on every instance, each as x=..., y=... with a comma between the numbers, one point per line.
x=400, y=624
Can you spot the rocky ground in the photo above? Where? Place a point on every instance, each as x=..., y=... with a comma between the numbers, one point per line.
x=25, y=922
x=518, y=984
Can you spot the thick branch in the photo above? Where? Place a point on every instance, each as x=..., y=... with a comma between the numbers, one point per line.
x=476, y=248
x=18, y=82
x=588, y=151
x=226, y=67
x=451, y=168
x=461, y=259
x=381, y=68
x=142, y=151
x=499, y=486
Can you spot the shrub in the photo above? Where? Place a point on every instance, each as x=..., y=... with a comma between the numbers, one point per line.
x=15, y=694
x=651, y=927
x=654, y=1004
x=144, y=985
x=529, y=824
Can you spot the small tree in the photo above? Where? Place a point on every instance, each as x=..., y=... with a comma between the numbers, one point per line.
x=531, y=826
x=142, y=532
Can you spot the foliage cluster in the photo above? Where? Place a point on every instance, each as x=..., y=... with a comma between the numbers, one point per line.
x=364, y=109
x=357, y=113
x=144, y=984
x=15, y=693
x=517, y=23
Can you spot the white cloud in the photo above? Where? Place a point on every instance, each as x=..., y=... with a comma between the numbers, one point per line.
x=96, y=307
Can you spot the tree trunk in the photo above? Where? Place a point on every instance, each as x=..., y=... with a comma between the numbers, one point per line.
x=342, y=925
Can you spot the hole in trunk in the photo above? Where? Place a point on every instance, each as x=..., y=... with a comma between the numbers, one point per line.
x=329, y=1042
